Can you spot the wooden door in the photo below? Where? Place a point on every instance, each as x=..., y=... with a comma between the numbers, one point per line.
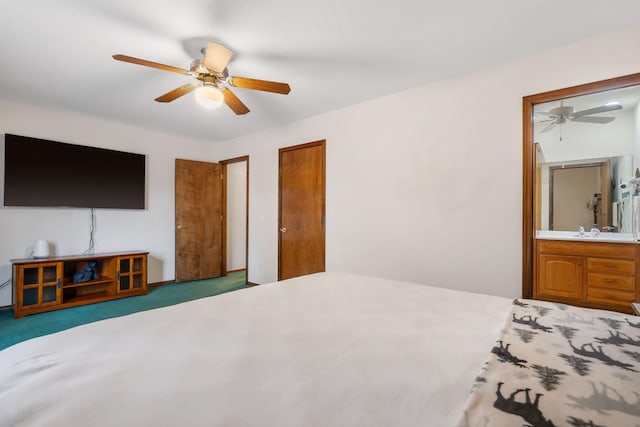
x=301, y=243
x=199, y=219
x=605, y=190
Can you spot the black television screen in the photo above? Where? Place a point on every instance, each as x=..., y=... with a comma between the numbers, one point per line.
x=45, y=173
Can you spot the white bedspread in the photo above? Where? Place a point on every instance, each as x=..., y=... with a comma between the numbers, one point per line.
x=329, y=349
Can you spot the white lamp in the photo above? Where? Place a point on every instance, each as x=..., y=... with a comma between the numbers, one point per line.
x=41, y=249
x=209, y=97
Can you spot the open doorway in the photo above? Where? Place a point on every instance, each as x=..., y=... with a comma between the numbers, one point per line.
x=236, y=218
x=580, y=195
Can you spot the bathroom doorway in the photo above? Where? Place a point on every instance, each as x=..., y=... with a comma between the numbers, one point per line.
x=236, y=205
x=580, y=195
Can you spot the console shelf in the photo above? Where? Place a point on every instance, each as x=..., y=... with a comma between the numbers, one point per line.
x=47, y=284
x=69, y=284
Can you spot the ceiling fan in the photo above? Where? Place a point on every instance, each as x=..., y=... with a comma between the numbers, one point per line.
x=211, y=71
x=560, y=115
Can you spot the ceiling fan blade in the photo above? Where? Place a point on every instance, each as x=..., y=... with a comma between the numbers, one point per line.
x=217, y=57
x=266, y=86
x=151, y=64
x=548, y=128
x=177, y=92
x=596, y=110
x=593, y=119
x=234, y=102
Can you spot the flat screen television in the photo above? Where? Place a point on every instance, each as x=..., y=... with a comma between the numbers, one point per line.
x=45, y=173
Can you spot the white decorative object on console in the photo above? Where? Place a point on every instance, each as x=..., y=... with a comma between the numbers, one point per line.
x=41, y=249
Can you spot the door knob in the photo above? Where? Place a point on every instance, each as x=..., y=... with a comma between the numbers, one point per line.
x=283, y=229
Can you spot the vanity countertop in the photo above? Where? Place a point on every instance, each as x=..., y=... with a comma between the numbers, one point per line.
x=586, y=237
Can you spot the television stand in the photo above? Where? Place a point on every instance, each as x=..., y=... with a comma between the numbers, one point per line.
x=47, y=284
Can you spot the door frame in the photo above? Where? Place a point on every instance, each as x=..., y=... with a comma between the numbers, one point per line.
x=603, y=188
x=322, y=143
x=224, y=164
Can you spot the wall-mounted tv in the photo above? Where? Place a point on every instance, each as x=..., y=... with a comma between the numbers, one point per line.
x=45, y=173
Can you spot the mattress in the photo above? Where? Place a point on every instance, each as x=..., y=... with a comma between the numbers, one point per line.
x=324, y=349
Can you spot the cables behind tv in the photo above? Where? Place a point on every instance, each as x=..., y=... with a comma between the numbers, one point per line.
x=92, y=231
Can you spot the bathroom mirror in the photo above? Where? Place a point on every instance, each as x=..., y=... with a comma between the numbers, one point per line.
x=581, y=145
x=584, y=160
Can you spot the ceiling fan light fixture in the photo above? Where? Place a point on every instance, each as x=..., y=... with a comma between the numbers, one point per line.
x=212, y=73
x=209, y=97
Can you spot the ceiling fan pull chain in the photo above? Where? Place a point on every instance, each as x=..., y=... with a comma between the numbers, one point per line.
x=560, y=133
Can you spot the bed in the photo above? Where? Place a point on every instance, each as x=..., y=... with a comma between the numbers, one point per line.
x=330, y=349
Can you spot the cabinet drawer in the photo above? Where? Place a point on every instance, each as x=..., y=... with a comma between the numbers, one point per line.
x=626, y=251
x=609, y=281
x=609, y=296
x=606, y=265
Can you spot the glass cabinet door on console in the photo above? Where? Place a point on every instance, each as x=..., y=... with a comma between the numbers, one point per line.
x=42, y=284
x=131, y=273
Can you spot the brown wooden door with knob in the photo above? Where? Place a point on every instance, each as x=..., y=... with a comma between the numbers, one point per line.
x=301, y=243
x=199, y=220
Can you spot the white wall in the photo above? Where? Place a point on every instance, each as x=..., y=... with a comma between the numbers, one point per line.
x=236, y=216
x=426, y=185
x=67, y=229
x=423, y=185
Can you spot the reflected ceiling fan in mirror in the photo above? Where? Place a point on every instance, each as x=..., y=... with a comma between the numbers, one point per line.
x=563, y=114
x=214, y=80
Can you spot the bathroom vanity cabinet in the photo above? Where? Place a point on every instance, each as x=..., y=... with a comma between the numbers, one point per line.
x=587, y=273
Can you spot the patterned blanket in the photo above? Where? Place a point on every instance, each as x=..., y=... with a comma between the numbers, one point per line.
x=559, y=365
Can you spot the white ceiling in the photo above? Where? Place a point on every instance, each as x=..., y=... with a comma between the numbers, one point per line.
x=332, y=53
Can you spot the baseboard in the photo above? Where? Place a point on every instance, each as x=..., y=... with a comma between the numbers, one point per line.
x=252, y=284
x=236, y=271
x=166, y=282
x=6, y=307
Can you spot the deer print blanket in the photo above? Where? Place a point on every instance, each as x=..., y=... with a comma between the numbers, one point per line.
x=559, y=365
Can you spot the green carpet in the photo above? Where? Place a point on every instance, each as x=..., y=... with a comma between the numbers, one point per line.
x=13, y=331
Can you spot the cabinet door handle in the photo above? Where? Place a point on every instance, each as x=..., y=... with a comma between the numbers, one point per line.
x=118, y=275
x=59, y=283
